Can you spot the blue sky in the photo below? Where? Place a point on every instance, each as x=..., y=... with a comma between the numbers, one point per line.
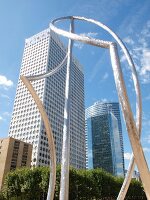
x=130, y=19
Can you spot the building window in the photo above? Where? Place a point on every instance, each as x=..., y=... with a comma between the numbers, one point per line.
x=15, y=155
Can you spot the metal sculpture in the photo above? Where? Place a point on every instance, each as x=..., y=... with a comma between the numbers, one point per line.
x=49, y=136
x=26, y=80
x=134, y=130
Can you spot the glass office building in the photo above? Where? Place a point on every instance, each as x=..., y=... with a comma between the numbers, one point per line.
x=104, y=144
x=43, y=52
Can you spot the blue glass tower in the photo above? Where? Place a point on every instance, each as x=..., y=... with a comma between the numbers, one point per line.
x=104, y=143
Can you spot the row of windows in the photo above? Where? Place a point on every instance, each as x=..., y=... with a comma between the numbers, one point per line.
x=54, y=100
x=30, y=43
x=15, y=155
x=35, y=50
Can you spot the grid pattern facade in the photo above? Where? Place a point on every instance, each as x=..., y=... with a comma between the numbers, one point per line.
x=102, y=156
x=43, y=52
x=13, y=154
x=104, y=145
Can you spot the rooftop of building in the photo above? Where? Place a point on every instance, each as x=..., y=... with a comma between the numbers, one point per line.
x=45, y=33
x=11, y=138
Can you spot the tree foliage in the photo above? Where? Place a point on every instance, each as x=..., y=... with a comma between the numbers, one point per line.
x=26, y=184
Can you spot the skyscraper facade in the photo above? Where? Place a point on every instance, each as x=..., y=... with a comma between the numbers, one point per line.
x=104, y=142
x=42, y=53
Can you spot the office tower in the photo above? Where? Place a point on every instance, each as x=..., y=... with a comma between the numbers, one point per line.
x=13, y=154
x=42, y=53
x=104, y=142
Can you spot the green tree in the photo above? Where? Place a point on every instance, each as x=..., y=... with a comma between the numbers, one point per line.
x=12, y=185
x=136, y=191
x=96, y=184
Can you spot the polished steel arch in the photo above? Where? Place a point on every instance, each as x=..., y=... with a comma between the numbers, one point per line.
x=49, y=135
x=134, y=129
x=27, y=82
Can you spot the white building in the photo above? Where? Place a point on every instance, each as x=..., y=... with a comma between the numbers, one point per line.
x=42, y=52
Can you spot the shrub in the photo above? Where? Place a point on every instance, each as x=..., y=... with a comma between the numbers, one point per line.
x=26, y=184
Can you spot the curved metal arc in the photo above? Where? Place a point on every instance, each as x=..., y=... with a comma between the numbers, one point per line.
x=84, y=39
x=62, y=18
x=135, y=80
x=93, y=41
x=128, y=177
x=108, y=43
x=130, y=124
x=48, y=129
x=50, y=73
x=125, y=50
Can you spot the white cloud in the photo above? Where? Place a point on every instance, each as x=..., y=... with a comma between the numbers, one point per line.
x=140, y=52
x=105, y=76
x=5, y=96
x=90, y=34
x=6, y=114
x=145, y=31
x=127, y=156
x=104, y=100
x=122, y=58
x=80, y=45
x=5, y=82
x=145, y=61
x=128, y=40
x=143, y=54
